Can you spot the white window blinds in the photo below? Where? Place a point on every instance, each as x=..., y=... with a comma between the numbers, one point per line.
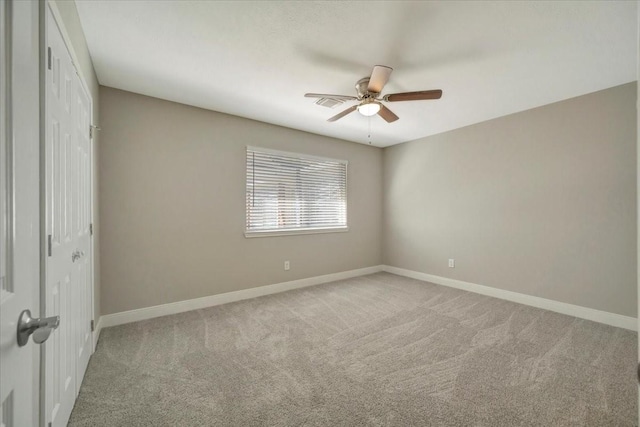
x=294, y=192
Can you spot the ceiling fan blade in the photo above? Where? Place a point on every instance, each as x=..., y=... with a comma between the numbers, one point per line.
x=342, y=114
x=387, y=114
x=325, y=95
x=413, y=96
x=379, y=78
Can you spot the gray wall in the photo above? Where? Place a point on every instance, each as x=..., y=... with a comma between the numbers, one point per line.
x=172, y=200
x=71, y=21
x=542, y=202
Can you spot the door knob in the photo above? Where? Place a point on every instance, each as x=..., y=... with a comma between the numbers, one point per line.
x=41, y=327
x=76, y=255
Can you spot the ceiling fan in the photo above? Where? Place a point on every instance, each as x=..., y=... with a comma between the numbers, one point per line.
x=370, y=101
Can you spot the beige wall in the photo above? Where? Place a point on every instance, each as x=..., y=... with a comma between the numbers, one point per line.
x=71, y=22
x=541, y=202
x=172, y=199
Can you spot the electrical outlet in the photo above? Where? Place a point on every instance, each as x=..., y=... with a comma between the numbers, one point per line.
x=452, y=263
x=287, y=266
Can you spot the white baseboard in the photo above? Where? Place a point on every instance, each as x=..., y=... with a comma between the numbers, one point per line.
x=96, y=332
x=115, y=319
x=210, y=301
x=605, y=317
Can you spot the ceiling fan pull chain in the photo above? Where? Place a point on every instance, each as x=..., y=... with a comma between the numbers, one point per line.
x=369, y=130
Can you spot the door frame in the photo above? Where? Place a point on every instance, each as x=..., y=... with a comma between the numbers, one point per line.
x=44, y=8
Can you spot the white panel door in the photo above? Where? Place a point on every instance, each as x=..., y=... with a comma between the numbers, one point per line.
x=19, y=208
x=81, y=224
x=60, y=369
x=68, y=266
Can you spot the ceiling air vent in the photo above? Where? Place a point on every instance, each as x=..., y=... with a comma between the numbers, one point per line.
x=329, y=102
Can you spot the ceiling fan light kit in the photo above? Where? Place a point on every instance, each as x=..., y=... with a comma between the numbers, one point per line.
x=369, y=108
x=370, y=101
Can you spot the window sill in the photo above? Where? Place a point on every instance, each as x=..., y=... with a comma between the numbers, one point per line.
x=252, y=234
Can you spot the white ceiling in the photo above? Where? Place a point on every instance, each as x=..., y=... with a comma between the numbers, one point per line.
x=257, y=59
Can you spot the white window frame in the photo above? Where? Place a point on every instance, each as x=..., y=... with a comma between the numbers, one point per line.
x=289, y=232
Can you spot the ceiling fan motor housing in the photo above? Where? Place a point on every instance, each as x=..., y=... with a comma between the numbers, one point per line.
x=362, y=89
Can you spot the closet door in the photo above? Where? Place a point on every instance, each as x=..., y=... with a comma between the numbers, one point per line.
x=68, y=201
x=81, y=227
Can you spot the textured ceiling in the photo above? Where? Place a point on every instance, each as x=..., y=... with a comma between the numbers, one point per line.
x=257, y=59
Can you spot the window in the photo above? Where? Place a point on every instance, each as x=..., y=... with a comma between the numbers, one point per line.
x=294, y=193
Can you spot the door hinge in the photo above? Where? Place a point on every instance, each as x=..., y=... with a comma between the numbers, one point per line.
x=91, y=229
x=49, y=58
x=93, y=326
x=93, y=128
x=49, y=244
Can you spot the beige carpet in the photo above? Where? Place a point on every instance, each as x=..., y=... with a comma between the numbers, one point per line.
x=378, y=350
